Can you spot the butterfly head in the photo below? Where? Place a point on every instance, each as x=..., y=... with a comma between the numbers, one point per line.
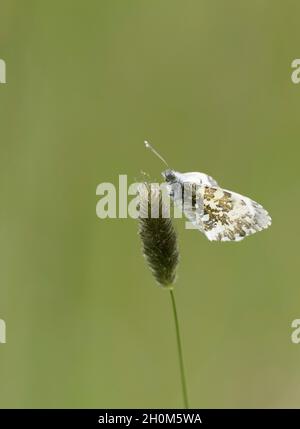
x=169, y=175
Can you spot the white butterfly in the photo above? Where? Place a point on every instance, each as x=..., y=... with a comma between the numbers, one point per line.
x=220, y=214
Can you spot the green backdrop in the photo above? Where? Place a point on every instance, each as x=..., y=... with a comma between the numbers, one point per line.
x=209, y=84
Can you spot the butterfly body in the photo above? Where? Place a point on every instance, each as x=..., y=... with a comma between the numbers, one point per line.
x=220, y=214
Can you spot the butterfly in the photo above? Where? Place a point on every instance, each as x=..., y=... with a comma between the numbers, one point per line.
x=220, y=214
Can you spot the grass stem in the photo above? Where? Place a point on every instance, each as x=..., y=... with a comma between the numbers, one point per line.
x=180, y=355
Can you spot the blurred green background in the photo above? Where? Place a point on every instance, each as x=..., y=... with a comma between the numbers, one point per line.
x=209, y=84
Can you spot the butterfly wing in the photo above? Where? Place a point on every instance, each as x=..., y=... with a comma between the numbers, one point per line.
x=200, y=179
x=226, y=215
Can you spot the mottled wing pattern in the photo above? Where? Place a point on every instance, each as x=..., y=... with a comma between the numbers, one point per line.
x=226, y=215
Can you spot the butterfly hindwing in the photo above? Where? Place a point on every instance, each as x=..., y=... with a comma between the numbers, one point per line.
x=228, y=216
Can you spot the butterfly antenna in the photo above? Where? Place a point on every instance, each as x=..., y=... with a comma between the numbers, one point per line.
x=148, y=146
